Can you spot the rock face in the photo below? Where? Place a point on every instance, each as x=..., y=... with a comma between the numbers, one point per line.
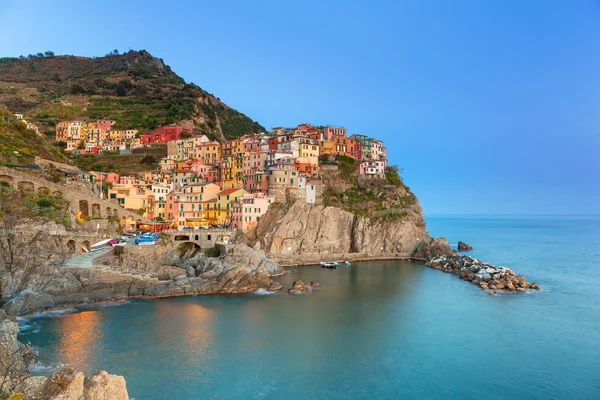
x=307, y=230
x=432, y=247
x=486, y=276
x=462, y=246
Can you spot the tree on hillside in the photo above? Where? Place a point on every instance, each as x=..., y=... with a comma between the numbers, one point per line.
x=49, y=53
x=148, y=160
x=120, y=90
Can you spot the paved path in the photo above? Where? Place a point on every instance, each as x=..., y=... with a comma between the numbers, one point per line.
x=85, y=260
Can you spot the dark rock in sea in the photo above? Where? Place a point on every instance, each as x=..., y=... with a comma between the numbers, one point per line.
x=485, y=275
x=462, y=246
x=299, y=286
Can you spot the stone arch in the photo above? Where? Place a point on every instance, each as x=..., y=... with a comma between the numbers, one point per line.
x=108, y=212
x=43, y=190
x=26, y=186
x=197, y=237
x=6, y=179
x=84, y=208
x=96, y=210
x=86, y=246
x=182, y=237
x=208, y=237
x=71, y=246
x=57, y=193
x=187, y=246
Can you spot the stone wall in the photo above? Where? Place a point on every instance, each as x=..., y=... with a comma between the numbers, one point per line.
x=76, y=195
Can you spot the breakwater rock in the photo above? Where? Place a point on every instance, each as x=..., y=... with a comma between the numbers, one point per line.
x=482, y=274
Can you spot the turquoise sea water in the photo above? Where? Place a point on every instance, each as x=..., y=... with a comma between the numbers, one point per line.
x=383, y=330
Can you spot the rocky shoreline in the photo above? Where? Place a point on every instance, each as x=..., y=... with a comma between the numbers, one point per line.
x=485, y=275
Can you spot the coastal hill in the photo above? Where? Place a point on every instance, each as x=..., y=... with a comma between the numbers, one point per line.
x=135, y=89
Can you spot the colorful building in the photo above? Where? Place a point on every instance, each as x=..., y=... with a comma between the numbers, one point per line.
x=247, y=212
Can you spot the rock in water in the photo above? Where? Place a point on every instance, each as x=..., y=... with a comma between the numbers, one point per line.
x=299, y=286
x=462, y=246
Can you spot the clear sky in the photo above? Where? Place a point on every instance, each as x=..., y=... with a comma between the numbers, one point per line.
x=488, y=106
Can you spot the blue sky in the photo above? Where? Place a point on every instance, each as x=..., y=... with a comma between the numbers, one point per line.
x=489, y=107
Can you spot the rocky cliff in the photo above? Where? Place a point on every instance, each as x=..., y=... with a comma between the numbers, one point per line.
x=307, y=233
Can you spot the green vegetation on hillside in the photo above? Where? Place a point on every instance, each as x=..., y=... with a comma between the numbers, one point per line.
x=19, y=145
x=135, y=89
x=387, y=199
x=17, y=204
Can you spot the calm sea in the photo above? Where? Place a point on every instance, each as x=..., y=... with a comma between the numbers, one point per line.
x=375, y=330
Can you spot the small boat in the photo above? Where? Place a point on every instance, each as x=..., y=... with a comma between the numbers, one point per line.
x=101, y=245
x=146, y=241
x=120, y=243
x=332, y=265
x=348, y=263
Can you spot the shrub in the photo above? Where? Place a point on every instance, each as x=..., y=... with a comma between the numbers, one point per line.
x=212, y=251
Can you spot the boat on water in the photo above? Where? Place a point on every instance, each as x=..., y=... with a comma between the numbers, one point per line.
x=332, y=265
x=103, y=244
x=120, y=243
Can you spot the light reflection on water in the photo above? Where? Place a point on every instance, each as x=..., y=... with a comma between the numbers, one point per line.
x=79, y=339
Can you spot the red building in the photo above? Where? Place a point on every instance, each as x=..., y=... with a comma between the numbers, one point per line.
x=166, y=133
x=273, y=143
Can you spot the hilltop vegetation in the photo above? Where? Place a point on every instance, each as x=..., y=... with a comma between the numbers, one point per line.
x=19, y=145
x=135, y=89
x=388, y=199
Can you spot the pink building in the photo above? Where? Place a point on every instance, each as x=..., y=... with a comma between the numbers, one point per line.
x=330, y=131
x=251, y=144
x=206, y=173
x=111, y=177
x=372, y=169
x=104, y=124
x=247, y=212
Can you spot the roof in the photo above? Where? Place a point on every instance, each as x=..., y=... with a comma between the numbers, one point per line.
x=228, y=191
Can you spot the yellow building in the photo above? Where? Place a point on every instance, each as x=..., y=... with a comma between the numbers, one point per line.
x=227, y=171
x=209, y=153
x=220, y=209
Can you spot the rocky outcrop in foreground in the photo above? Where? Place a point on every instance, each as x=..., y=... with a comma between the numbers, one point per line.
x=161, y=271
x=65, y=384
x=479, y=273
